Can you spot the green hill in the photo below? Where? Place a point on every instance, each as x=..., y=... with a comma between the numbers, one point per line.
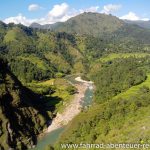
x=22, y=116
x=90, y=24
x=102, y=34
x=38, y=55
x=121, y=110
x=100, y=25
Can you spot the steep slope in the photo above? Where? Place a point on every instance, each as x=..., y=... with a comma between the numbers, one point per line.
x=39, y=55
x=22, y=116
x=42, y=54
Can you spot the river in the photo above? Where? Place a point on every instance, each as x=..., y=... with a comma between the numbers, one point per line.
x=52, y=137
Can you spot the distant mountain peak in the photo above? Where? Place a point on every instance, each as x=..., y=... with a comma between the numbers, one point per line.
x=86, y=23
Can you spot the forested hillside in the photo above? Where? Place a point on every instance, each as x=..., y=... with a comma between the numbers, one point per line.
x=99, y=25
x=121, y=110
x=39, y=55
x=22, y=116
x=101, y=33
x=35, y=54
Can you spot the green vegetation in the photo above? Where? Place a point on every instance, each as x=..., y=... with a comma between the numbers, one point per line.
x=26, y=112
x=134, y=89
x=90, y=24
x=121, y=110
x=22, y=116
x=113, y=54
x=55, y=92
x=39, y=55
x=116, y=77
x=119, y=121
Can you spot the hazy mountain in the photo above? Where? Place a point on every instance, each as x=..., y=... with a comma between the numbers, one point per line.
x=144, y=24
x=46, y=26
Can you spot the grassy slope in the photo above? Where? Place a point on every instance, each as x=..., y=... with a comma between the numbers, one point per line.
x=134, y=89
x=113, y=56
x=59, y=85
x=133, y=128
x=58, y=61
x=14, y=34
x=35, y=60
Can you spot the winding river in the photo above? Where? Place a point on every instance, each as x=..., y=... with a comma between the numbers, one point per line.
x=56, y=129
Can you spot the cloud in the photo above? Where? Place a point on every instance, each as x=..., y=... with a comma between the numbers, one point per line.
x=19, y=19
x=34, y=7
x=132, y=16
x=90, y=9
x=59, y=10
x=110, y=8
x=59, y=13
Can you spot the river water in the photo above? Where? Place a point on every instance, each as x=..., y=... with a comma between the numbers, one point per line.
x=52, y=137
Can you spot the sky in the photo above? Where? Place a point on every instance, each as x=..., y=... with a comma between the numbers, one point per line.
x=51, y=11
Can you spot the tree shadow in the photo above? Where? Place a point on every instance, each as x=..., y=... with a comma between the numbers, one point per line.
x=25, y=111
x=51, y=102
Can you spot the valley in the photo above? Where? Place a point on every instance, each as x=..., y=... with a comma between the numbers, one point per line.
x=71, y=109
x=82, y=99
x=83, y=80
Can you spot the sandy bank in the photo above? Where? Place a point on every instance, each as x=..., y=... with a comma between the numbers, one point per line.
x=73, y=108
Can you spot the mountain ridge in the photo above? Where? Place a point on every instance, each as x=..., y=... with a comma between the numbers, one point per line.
x=94, y=19
x=143, y=24
x=99, y=25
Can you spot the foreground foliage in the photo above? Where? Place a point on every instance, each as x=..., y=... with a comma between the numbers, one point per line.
x=118, y=115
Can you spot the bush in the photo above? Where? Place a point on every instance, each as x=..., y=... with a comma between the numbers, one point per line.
x=71, y=90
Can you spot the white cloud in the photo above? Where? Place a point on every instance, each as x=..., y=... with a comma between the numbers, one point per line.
x=110, y=8
x=62, y=12
x=145, y=19
x=90, y=9
x=34, y=7
x=132, y=16
x=59, y=10
x=59, y=13
x=19, y=19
